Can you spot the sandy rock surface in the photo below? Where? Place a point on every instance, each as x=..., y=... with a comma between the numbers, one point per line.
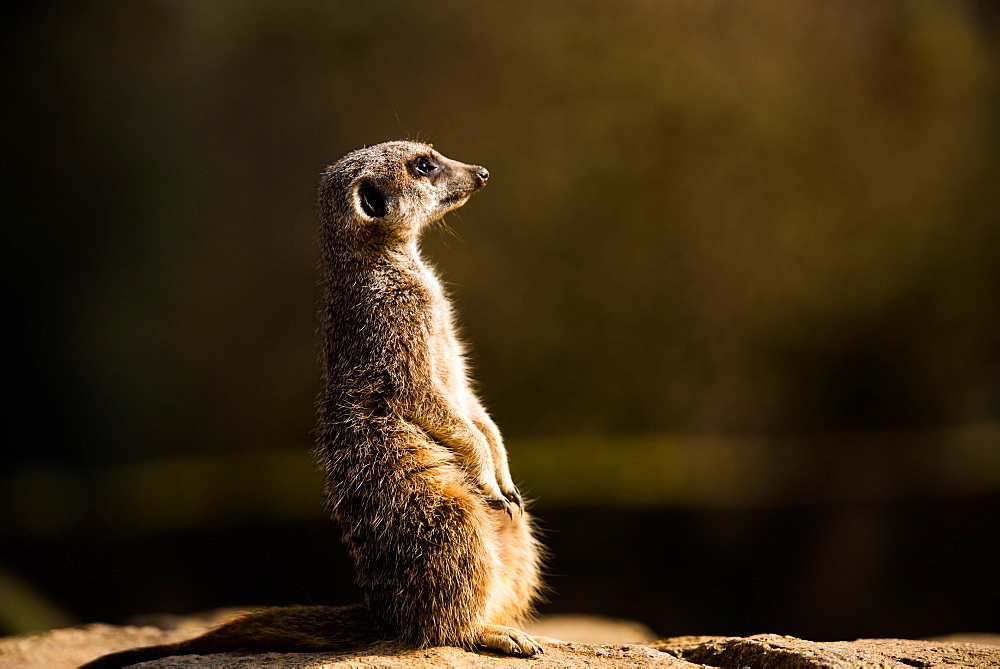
x=64, y=648
x=773, y=650
x=569, y=641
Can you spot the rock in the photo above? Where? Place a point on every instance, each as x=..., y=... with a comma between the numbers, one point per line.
x=769, y=651
x=65, y=648
x=72, y=646
x=591, y=629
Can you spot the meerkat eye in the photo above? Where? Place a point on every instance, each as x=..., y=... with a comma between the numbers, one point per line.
x=423, y=166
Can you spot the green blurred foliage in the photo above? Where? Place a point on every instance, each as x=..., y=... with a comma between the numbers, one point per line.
x=703, y=217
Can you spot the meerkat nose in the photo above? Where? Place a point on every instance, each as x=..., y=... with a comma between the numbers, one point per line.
x=482, y=174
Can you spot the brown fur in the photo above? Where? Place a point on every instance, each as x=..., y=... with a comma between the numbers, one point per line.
x=417, y=473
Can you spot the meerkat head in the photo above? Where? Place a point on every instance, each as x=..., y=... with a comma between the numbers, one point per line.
x=395, y=189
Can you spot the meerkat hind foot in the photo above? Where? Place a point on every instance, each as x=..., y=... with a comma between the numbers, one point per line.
x=507, y=640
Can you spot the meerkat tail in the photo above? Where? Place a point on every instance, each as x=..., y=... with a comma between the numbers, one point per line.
x=281, y=629
x=126, y=658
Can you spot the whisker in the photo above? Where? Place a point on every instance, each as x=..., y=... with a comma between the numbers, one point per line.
x=445, y=228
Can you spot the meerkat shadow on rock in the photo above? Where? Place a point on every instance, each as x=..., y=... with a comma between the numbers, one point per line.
x=416, y=470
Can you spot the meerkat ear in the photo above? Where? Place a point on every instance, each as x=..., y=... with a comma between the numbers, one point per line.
x=372, y=200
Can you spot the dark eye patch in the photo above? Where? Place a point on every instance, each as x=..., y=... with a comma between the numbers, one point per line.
x=372, y=200
x=423, y=166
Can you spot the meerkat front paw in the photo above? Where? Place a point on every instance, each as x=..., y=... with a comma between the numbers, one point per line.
x=507, y=640
x=507, y=487
x=513, y=495
x=501, y=503
x=496, y=498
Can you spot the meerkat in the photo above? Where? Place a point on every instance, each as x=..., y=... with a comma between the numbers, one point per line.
x=416, y=470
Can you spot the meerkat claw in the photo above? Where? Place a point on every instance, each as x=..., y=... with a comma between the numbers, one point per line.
x=508, y=510
x=500, y=504
x=515, y=497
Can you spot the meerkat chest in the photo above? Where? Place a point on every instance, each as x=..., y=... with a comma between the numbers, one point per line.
x=444, y=348
x=439, y=309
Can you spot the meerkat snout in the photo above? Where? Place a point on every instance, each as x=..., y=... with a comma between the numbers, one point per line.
x=482, y=175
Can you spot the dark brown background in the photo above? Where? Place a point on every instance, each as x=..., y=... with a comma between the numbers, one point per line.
x=731, y=294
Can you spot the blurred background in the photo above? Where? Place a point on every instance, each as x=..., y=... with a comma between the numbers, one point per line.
x=732, y=296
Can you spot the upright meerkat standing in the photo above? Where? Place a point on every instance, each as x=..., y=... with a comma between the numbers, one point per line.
x=416, y=469
x=417, y=473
